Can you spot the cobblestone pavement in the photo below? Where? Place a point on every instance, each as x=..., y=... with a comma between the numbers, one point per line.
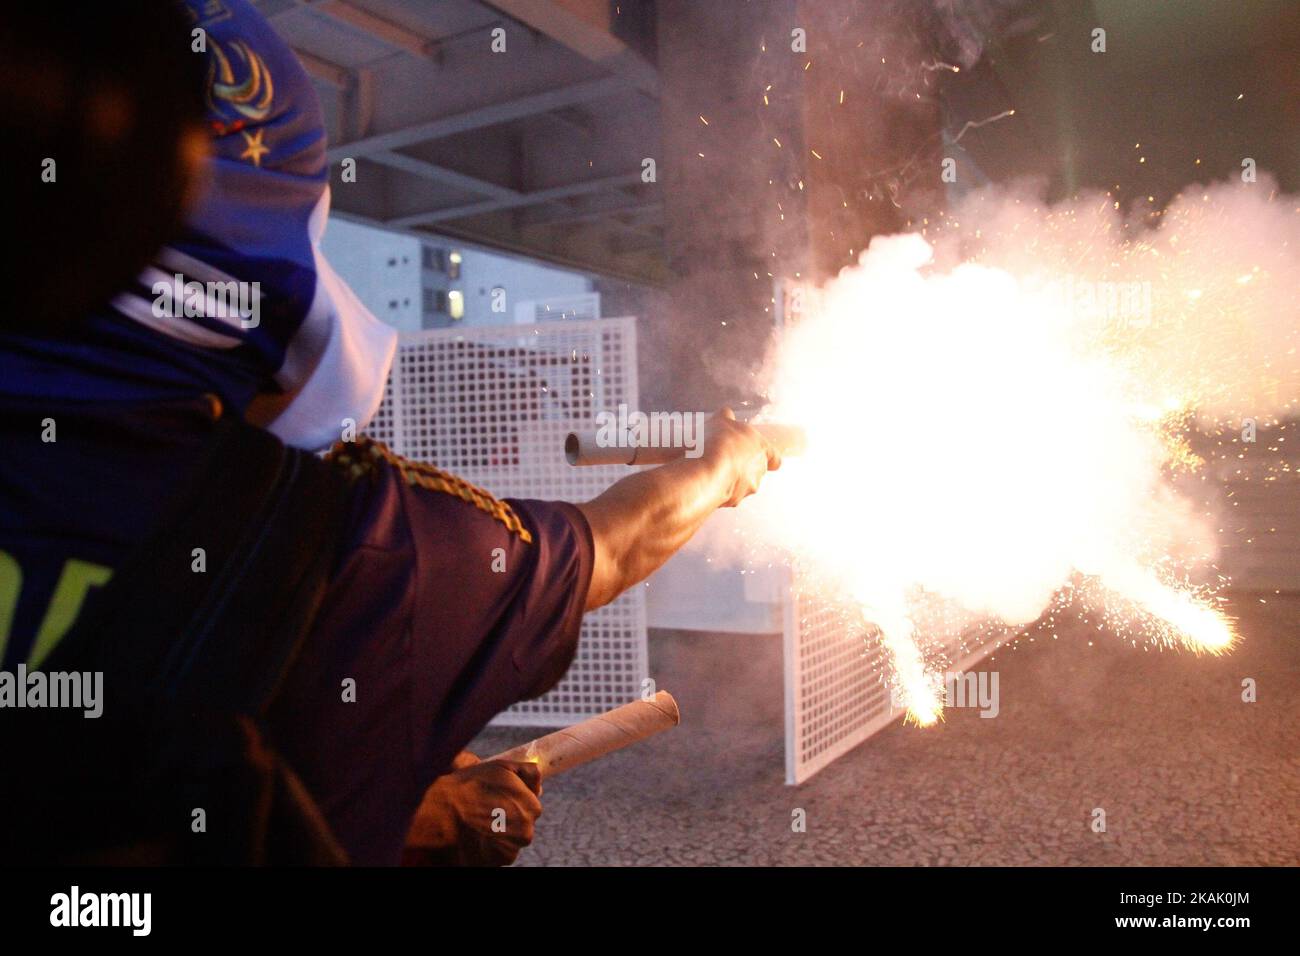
x=1186, y=772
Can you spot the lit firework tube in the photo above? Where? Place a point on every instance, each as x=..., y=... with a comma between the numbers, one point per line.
x=592, y=448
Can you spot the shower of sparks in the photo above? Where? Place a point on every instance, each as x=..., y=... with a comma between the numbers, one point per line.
x=1013, y=421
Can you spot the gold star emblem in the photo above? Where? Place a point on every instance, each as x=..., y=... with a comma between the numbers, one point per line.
x=255, y=149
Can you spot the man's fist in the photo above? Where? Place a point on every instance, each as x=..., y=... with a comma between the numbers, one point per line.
x=744, y=454
x=480, y=814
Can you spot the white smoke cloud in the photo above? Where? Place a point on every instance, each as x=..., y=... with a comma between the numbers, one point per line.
x=989, y=408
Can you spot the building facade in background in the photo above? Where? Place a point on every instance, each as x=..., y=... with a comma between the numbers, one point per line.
x=414, y=283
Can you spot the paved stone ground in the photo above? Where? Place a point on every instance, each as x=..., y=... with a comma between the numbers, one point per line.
x=1186, y=772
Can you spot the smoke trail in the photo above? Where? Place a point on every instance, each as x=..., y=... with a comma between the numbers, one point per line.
x=993, y=408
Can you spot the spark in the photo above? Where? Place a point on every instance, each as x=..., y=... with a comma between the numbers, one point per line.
x=976, y=124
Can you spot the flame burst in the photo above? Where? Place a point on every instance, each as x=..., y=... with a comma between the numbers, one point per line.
x=994, y=417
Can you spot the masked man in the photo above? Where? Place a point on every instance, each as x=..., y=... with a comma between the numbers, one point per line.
x=292, y=650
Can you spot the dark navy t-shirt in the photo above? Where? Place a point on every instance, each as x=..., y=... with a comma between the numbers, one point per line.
x=445, y=605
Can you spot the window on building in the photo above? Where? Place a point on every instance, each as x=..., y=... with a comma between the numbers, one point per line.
x=428, y=302
x=433, y=259
x=456, y=304
x=453, y=266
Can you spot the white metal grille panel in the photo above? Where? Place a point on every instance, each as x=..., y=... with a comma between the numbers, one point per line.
x=492, y=404
x=836, y=669
x=383, y=427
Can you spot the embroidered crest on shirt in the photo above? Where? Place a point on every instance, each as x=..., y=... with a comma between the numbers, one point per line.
x=240, y=91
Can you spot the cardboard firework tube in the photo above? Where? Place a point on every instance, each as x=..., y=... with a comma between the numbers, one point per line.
x=582, y=448
x=597, y=736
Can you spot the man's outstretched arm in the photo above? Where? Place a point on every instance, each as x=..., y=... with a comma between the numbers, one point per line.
x=639, y=522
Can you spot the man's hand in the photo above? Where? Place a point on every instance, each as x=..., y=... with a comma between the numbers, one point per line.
x=480, y=814
x=740, y=452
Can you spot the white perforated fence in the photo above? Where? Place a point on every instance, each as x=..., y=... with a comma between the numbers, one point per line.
x=836, y=694
x=493, y=405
